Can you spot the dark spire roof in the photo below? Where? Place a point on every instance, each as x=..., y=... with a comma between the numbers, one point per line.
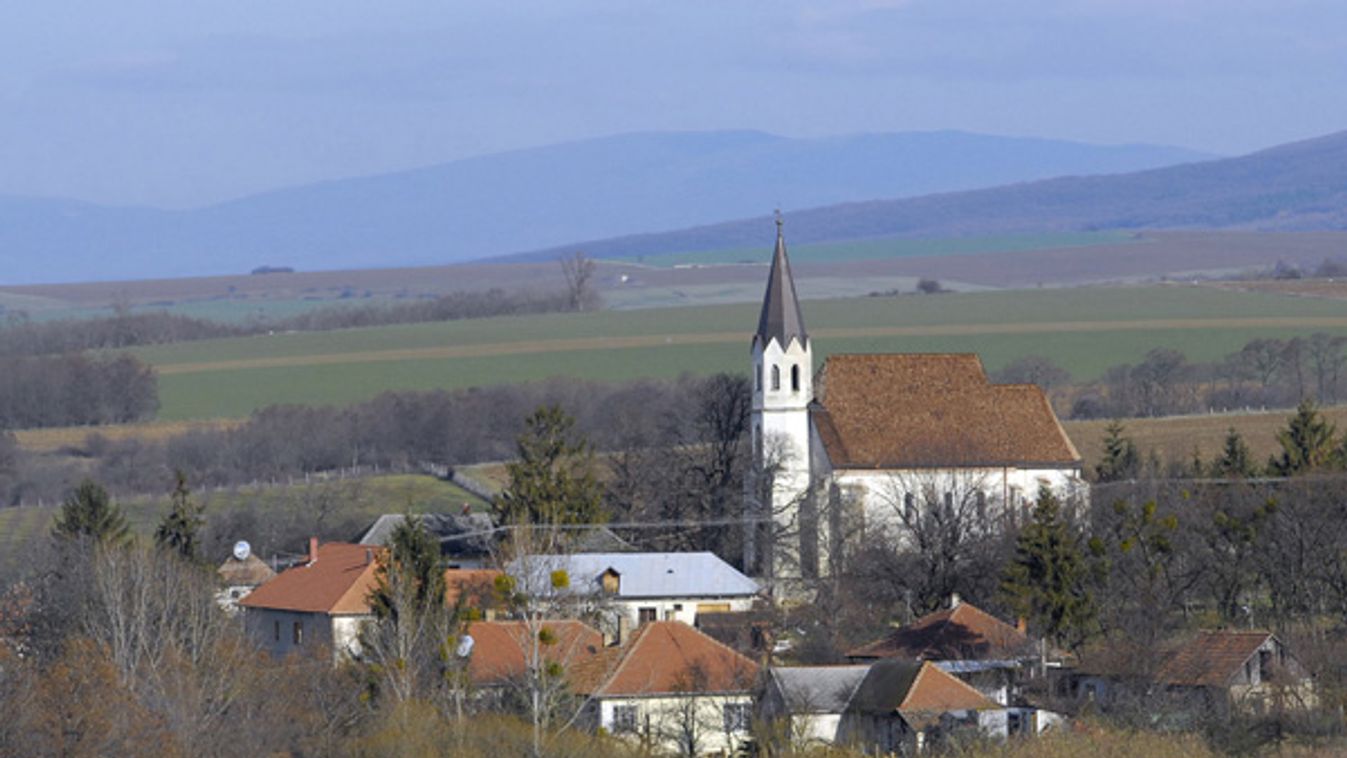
x=780, y=318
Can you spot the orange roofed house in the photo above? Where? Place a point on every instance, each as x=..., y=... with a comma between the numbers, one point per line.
x=321, y=602
x=903, y=707
x=671, y=687
x=884, y=436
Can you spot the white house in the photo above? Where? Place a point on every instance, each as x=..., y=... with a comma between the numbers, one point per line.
x=321, y=602
x=672, y=688
x=807, y=702
x=630, y=589
x=881, y=438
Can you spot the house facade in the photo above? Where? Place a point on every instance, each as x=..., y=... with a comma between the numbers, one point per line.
x=626, y=590
x=903, y=707
x=319, y=603
x=672, y=689
x=805, y=704
x=881, y=439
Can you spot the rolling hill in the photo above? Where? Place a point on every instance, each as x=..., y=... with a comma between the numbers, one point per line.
x=528, y=199
x=1296, y=187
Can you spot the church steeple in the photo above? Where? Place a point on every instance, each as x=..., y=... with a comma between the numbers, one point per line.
x=780, y=319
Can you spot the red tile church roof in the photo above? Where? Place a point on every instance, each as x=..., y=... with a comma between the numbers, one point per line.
x=933, y=410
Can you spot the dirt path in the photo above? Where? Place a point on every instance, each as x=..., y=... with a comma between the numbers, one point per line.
x=707, y=338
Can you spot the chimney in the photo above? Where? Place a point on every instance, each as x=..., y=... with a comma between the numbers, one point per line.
x=313, y=550
x=954, y=600
x=369, y=555
x=623, y=629
x=1022, y=625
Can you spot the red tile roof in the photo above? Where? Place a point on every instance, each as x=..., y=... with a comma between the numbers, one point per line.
x=476, y=586
x=665, y=657
x=338, y=583
x=964, y=632
x=1211, y=659
x=499, y=647
x=924, y=410
x=919, y=691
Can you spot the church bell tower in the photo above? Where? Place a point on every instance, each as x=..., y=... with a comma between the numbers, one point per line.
x=782, y=380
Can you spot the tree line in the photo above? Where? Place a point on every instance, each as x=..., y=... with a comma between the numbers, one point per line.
x=1265, y=372
x=123, y=329
x=76, y=390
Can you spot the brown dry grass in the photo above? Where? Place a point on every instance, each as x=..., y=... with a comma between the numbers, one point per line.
x=56, y=438
x=1175, y=437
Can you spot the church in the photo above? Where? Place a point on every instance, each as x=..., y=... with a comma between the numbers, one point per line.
x=898, y=441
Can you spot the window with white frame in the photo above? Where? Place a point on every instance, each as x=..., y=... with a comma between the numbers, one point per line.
x=625, y=718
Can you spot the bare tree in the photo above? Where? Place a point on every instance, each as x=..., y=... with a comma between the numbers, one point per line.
x=579, y=270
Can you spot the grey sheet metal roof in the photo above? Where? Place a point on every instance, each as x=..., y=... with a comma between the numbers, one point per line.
x=645, y=574
x=780, y=319
x=818, y=689
x=459, y=534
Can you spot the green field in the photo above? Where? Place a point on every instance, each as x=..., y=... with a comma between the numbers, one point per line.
x=1085, y=330
x=883, y=249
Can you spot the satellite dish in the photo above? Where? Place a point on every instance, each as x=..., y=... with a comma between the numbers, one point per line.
x=242, y=550
x=465, y=646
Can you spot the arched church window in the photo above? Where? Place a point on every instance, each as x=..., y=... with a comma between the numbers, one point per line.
x=776, y=377
x=795, y=378
x=909, y=507
x=759, y=376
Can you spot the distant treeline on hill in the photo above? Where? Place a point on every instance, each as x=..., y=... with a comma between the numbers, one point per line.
x=75, y=390
x=397, y=430
x=124, y=329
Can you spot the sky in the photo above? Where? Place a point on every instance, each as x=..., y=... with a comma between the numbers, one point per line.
x=181, y=103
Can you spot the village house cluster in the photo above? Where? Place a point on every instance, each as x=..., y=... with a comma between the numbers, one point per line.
x=671, y=650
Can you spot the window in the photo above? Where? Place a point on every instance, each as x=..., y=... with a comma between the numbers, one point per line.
x=982, y=504
x=1264, y=665
x=758, y=373
x=737, y=716
x=776, y=377
x=949, y=506
x=278, y=631
x=909, y=507
x=624, y=719
x=646, y=615
x=299, y=633
x=795, y=378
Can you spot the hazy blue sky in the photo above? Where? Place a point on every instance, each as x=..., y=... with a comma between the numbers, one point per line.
x=181, y=102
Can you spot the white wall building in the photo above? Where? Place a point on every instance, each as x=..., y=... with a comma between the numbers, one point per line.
x=630, y=589
x=882, y=438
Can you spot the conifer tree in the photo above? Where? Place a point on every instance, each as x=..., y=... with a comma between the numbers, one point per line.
x=553, y=480
x=89, y=513
x=1235, y=460
x=180, y=529
x=1046, y=581
x=1308, y=443
x=1120, y=460
x=409, y=575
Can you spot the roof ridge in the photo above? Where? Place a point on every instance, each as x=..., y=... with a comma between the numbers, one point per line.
x=625, y=656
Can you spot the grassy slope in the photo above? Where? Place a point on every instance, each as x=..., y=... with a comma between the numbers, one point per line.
x=340, y=367
x=376, y=496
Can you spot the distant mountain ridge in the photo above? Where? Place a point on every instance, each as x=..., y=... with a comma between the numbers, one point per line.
x=529, y=199
x=1300, y=186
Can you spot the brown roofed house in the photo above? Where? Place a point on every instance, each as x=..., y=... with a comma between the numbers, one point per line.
x=502, y=650
x=903, y=705
x=666, y=678
x=322, y=601
x=963, y=632
x=895, y=435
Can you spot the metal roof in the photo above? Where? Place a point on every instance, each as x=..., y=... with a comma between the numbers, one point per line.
x=459, y=534
x=818, y=689
x=670, y=575
x=780, y=319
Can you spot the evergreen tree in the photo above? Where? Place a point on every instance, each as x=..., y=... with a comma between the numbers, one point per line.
x=1235, y=460
x=410, y=573
x=180, y=529
x=1120, y=459
x=1308, y=443
x=1046, y=581
x=89, y=513
x=553, y=480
